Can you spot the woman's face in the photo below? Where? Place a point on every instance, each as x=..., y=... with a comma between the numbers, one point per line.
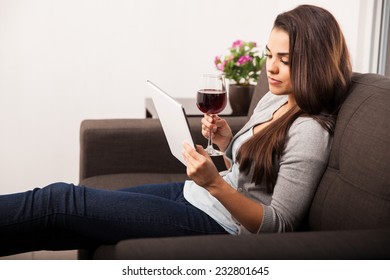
x=278, y=68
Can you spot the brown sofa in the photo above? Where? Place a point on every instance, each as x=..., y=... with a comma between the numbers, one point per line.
x=350, y=214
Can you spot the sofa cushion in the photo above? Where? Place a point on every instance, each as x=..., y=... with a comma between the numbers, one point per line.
x=355, y=189
x=118, y=181
x=364, y=244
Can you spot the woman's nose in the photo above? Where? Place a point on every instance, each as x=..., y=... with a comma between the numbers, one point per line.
x=271, y=66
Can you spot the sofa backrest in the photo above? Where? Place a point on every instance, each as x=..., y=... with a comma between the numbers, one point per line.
x=260, y=89
x=354, y=192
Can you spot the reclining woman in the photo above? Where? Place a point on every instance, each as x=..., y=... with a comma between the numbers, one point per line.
x=276, y=160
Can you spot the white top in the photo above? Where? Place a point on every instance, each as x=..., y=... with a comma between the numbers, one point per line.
x=203, y=200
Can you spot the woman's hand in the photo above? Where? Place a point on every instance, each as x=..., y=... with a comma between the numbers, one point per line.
x=220, y=130
x=200, y=168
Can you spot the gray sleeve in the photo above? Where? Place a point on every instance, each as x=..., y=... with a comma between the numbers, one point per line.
x=300, y=170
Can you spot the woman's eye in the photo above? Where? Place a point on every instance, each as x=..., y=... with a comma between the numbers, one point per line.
x=268, y=55
x=284, y=62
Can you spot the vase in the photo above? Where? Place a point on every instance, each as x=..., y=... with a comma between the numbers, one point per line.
x=240, y=98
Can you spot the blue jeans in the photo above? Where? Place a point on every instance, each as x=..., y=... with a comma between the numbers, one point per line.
x=64, y=216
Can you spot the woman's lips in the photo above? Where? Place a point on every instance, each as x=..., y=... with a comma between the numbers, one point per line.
x=273, y=81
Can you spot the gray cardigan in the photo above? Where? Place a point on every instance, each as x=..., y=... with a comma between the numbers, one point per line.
x=301, y=167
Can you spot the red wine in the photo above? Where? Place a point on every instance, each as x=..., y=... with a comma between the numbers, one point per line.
x=211, y=101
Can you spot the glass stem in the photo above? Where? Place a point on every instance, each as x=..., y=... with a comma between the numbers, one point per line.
x=210, y=145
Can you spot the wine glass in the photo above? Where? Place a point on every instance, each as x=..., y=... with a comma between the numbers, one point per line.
x=211, y=99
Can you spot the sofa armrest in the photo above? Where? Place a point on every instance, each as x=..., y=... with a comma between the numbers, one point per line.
x=115, y=146
x=320, y=245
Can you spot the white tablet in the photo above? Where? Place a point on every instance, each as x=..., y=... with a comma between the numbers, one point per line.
x=173, y=120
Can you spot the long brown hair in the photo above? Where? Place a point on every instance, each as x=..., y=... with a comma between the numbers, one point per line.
x=320, y=71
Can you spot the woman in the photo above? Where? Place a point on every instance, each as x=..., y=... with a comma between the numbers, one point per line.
x=276, y=160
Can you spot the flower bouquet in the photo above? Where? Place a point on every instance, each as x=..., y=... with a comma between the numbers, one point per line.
x=243, y=64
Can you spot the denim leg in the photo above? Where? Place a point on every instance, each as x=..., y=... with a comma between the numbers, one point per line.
x=168, y=190
x=67, y=216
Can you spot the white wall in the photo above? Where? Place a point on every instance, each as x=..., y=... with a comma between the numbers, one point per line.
x=65, y=61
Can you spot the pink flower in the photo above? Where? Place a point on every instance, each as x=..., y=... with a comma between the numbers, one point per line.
x=217, y=60
x=238, y=44
x=243, y=59
x=221, y=66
